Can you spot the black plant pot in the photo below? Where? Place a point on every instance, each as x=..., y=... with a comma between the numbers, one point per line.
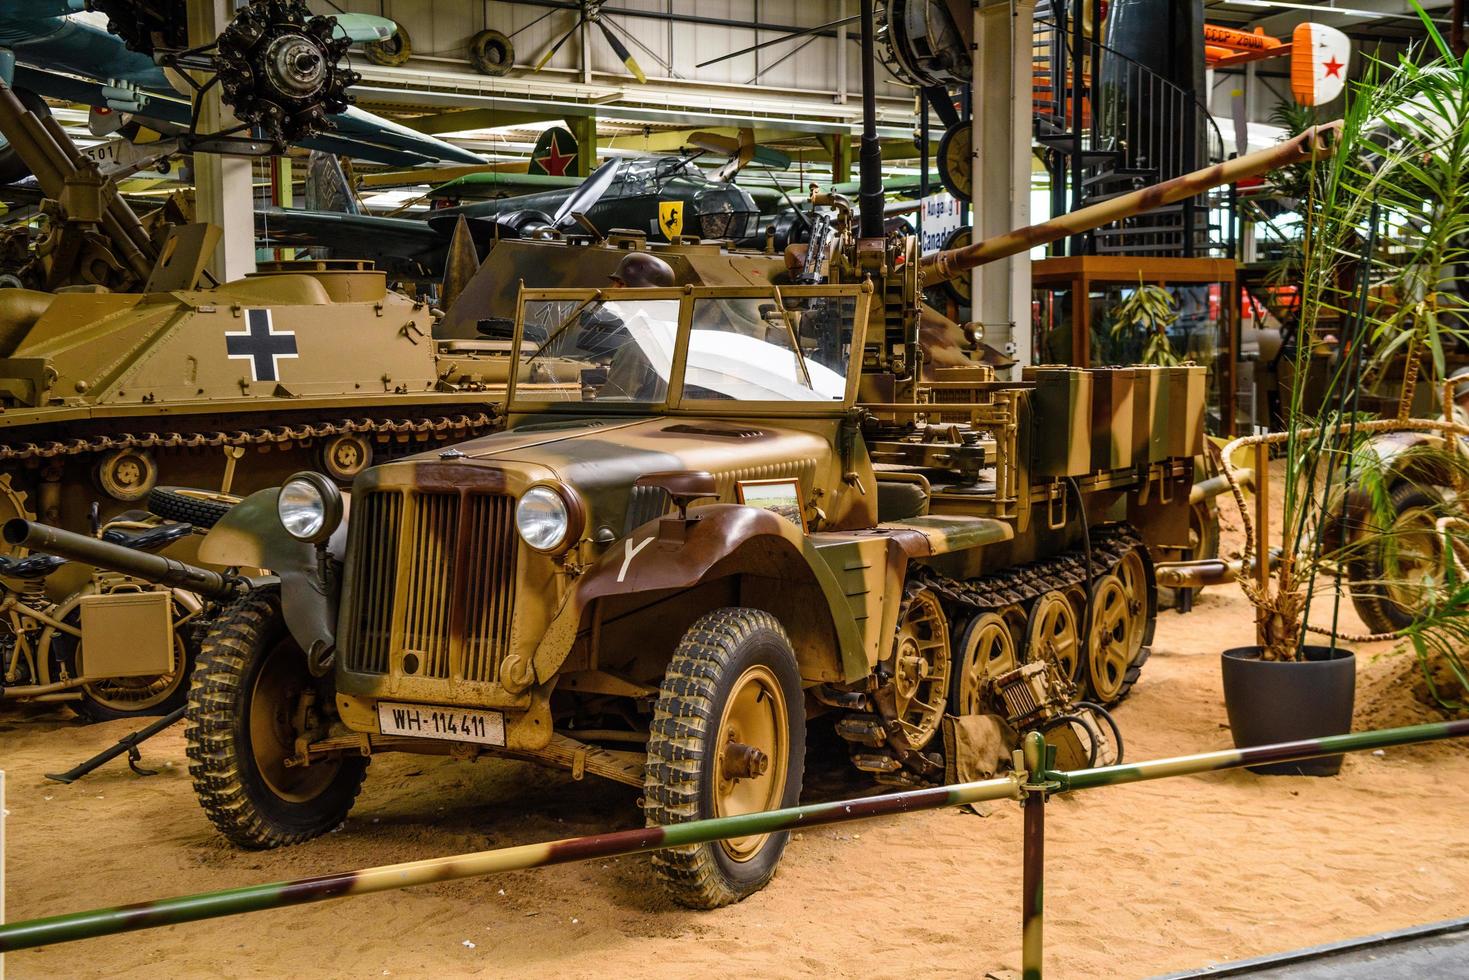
x=1273, y=701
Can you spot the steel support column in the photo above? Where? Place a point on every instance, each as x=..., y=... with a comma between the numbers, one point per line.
x=222, y=191
x=1002, y=118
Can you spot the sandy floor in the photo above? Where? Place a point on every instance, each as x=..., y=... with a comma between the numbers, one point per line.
x=1142, y=879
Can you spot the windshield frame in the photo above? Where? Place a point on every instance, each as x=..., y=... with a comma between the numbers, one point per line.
x=674, y=402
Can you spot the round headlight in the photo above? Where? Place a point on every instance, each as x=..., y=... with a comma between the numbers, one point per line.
x=309, y=507
x=544, y=519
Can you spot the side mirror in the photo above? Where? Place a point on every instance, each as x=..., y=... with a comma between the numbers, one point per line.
x=683, y=486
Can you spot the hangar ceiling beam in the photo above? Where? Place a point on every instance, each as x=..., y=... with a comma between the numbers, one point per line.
x=1281, y=24
x=674, y=140
x=489, y=118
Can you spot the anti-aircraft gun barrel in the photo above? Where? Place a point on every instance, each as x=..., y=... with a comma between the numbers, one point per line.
x=103, y=554
x=1316, y=143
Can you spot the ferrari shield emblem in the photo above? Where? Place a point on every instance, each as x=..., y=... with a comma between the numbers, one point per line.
x=670, y=218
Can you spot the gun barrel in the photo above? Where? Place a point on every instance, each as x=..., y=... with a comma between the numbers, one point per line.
x=1316, y=143
x=103, y=554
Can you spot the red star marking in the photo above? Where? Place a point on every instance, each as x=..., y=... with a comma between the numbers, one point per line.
x=555, y=162
x=1333, y=68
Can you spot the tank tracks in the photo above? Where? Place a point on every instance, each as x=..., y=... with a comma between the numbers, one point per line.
x=452, y=426
x=877, y=746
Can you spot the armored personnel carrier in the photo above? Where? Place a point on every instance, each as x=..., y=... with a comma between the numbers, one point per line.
x=126, y=369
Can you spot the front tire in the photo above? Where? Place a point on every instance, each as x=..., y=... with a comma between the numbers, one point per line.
x=250, y=689
x=730, y=704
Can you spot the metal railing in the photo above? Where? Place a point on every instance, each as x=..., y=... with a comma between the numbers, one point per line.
x=1113, y=125
x=1032, y=783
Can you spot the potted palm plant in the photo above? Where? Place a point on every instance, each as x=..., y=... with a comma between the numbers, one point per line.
x=1284, y=687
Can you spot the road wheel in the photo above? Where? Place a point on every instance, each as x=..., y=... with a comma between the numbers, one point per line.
x=346, y=455
x=138, y=697
x=251, y=697
x=986, y=650
x=201, y=508
x=1116, y=640
x=728, y=737
x=1053, y=634
x=1390, y=579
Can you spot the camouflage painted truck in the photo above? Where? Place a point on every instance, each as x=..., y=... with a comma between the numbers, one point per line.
x=715, y=514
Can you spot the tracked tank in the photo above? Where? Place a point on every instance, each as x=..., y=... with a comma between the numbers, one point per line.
x=126, y=367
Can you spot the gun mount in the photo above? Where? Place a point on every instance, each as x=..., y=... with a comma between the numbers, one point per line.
x=93, y=236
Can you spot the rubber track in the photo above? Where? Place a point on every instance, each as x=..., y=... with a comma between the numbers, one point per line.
x=1007, y=589
x=1025, y=583
x=681, y=719
x=213, y=702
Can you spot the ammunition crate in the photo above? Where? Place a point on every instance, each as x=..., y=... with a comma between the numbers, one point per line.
x=1145, y=381
x=1113, y=417
x=1063, y=416
x=1185, y=432
x=127, y=634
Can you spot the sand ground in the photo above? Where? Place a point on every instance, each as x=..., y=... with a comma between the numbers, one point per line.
x=1141, y=879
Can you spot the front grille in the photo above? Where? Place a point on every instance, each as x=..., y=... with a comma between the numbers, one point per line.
x=430, y=584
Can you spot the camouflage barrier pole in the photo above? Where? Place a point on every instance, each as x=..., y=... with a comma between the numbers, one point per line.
x=189, y=908
x=1188, y=765
x=1032, y=917
x=254, y=898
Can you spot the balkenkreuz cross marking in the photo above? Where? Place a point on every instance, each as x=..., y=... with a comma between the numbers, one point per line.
x=261, y=344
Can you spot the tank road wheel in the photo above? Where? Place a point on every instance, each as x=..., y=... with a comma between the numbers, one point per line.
x=127, y=474
x=251, y=697
x=346, y=455
x=1053, y=634
x=1388, y=587
x=985, y=651
x=1116, y=639
x=136, y=697
x=728, y=737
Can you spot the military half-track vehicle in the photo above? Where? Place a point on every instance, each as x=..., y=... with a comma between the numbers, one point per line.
x=715, y=513
x=124, y=368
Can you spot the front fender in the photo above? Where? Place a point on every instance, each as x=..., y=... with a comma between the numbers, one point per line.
x=250, y=535
x=645, y=562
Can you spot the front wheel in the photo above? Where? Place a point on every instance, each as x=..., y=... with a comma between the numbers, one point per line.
x=250, y=700
x=1401, y=565
x=728, y=738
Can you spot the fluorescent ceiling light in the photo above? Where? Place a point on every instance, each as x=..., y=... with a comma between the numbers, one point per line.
x=1317, y=8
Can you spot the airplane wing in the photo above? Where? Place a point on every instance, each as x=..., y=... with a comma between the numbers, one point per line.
x=76, y=59
x=374, y=132
x=362, y=28
x=405, y=248
x=490, y=185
